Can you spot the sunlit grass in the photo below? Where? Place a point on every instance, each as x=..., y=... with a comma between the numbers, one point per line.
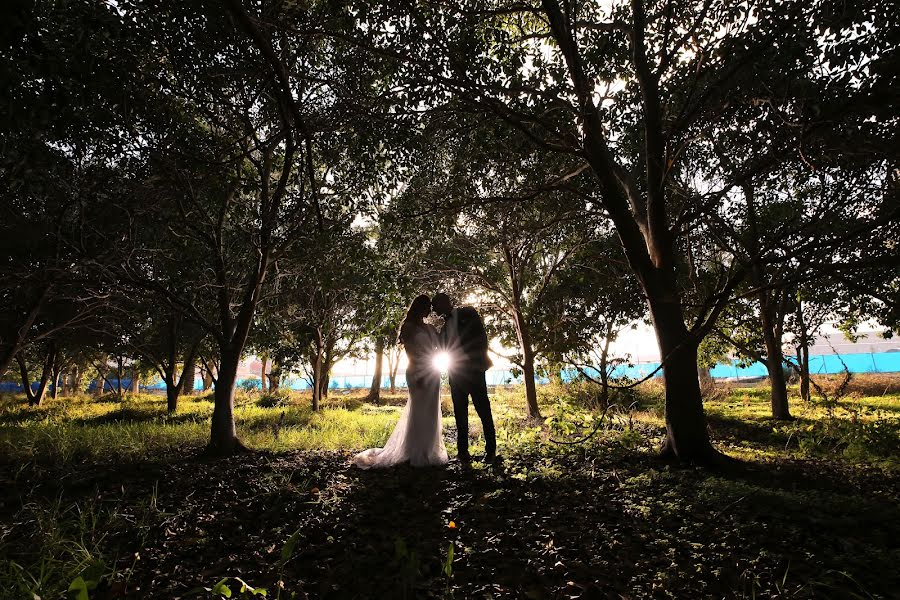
x=84, y=428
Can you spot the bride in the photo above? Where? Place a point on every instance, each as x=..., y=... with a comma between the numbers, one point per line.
x=417, y=436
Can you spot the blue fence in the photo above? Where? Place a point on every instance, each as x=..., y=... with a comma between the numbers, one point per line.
x=882, y=362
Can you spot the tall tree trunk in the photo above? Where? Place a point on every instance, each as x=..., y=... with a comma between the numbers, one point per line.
x=275, y=376
x=223, y=435
x=525, y=346
x=686, y=434
x=189, y=375
x=172, y=392
x=175, y=383
x=54, y=391
x=10, y=349
x=100, y=386
x=25, y=378
x=523, y=333
x=604, y=368
x=120, y=372
x=774, y=357
x=66, y=382
x=393, y=365
x=530, y=385
x=317, y=371
x=375, y=389
x=76, y=380
x=803, y=353
x=326, y=381
x=263, y=361
x=34, y=397
x=804, y=372
x=207, y=378
x=135, y=379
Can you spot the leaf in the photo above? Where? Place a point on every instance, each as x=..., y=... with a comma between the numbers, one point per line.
x=448, y=563
x=247, y=588
x=221, y=589
x=288, y=551
x=79, y=586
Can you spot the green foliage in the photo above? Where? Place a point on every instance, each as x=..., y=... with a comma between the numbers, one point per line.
x=222, y=589
x=250, y=384
x=276, y=399
x=69, y=542
x=859, y=440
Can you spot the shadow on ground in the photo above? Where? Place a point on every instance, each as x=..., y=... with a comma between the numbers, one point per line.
x=594, y=522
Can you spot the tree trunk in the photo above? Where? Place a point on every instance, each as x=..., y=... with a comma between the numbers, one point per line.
x=530, y=385
x=25, y=378
x=76, y=380
x=10, y=350
x=207, y=380
x=175, y=383
x=120, y=372
x=774, y=357
x=527, y=363
x=375, y=389
x=326, y=381
x=190, y=374
x=393, y=365
x=803, y=353
x=263, y=361
x=172, y=392
x=804, y=372
x=54, y=391
x=34, y=397
x=604, y=370
x=101, y=381
x=686, y=434
x=223, y=439
x=317, y=372
x=275, y=376
x=135, y=379
x=67, y=383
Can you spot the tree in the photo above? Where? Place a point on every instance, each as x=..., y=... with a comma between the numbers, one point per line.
x=241, y=138
x=63, y=89
x=322, y=322
x=170, y=343
x=596, y=299
x=639, y=93
x=45, y=356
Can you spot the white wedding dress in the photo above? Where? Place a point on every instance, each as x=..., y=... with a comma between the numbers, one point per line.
x=417, y=436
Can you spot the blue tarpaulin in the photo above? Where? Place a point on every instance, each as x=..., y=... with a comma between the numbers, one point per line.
x=881, y=362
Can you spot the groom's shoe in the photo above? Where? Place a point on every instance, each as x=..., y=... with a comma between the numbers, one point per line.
x=464, y=457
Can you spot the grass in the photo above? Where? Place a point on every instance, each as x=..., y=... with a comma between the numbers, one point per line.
x=94, y=489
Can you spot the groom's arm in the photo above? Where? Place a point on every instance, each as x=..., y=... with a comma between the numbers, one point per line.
x=476, y=339
x=479, y=332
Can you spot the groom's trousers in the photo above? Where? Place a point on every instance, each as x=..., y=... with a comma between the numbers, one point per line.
x=463, y=385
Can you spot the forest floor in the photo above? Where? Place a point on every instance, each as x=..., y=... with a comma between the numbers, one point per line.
x=112, y=498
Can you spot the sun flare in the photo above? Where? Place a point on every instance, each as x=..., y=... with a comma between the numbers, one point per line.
x=441, y=361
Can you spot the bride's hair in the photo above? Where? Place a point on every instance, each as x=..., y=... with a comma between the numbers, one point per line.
x=418, y=309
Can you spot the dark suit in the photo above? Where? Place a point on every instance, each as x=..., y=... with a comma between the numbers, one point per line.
x=466, y=342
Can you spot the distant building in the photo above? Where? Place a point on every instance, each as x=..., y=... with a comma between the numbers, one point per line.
x=869, y=342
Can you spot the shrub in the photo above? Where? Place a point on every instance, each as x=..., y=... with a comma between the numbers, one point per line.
x=251, y=384
x=275, y=399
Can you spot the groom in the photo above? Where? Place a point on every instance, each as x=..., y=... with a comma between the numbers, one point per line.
x=465, y=340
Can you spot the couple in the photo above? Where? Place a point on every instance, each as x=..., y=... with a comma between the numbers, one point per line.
x=417, y=437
